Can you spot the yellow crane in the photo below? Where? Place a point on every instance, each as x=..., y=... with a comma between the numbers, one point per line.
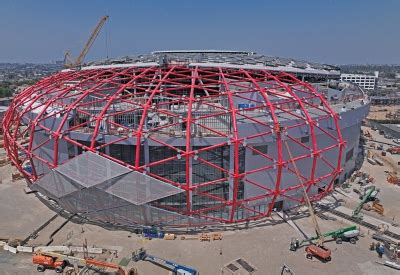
x=318, y=250
x=68, y=62
x=320, y=240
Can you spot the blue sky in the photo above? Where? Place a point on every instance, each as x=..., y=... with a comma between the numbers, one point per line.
x=335, y=31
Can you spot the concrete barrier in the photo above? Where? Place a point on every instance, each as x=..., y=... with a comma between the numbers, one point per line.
x=91, y=250
x=10, y=248
x=58, y=248
x=66, y=249
x=27, y=249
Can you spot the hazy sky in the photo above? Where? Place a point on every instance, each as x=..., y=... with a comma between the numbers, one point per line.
x=336, y=31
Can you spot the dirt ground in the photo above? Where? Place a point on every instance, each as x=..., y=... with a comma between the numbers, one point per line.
x=379, y=112
x=389, y=193
x=265, y=247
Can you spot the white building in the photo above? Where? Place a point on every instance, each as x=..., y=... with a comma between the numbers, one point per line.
x=366, y=82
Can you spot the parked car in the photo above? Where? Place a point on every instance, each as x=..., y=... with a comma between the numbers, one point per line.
x=396, y=140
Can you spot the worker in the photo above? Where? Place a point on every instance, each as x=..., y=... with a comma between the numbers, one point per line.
x=295, y=244
x=378, y=244
x=381, y=250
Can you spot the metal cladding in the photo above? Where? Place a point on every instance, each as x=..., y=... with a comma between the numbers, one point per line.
x=174, y=144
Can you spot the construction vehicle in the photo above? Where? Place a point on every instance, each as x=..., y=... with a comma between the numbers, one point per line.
x=318, y=250
x=370, y=194
x=394, y=150
x=44, y=262
x=68, y=62
x=153, y=233
x=177, y=269
x=363, y=191
x=57, y=261
x=342, y=234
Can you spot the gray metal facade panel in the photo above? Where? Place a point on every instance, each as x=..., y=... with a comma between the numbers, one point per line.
x=54, y=185
x=138, y=188
x=64, y=185
x=96, y=204
x=89, y=169
x=46, y=185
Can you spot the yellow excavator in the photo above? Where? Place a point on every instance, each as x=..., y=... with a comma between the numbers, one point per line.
x=69, y=62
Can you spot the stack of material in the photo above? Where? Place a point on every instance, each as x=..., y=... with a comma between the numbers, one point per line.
x=16, y=175
x=169, y=236
x=363, y=178
x=205, y=237
x=393, y=178
x=4, y=161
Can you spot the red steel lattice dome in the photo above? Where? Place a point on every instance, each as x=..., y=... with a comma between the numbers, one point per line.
x=214, y=144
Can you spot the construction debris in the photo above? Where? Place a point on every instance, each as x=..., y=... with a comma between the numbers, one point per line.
x=239, y=266
x=185, y=238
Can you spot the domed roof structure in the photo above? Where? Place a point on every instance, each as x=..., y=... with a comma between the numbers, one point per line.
x=189, y=144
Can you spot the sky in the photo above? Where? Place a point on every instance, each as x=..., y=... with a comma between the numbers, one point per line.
x=326, y=31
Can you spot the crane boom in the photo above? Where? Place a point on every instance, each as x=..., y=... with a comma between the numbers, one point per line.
x=310, y=207
x=90, y=42
x=86, y=262
x=141, y=255
x=365, y=199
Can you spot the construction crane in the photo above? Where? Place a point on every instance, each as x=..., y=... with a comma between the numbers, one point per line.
x=320, y=240
x=88, y=45
x=177, y=269
x=312, y=250
x=67, y=59
x=346, y=233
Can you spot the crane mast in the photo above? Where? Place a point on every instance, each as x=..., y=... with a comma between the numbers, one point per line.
x=320, y=236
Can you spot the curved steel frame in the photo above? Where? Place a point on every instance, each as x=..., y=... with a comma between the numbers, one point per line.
x=281, y=93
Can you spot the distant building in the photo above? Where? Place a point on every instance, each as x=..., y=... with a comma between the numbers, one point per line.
x=367, y=82
x=3, y=110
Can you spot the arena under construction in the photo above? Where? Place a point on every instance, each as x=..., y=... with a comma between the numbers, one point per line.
x=186, y=138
